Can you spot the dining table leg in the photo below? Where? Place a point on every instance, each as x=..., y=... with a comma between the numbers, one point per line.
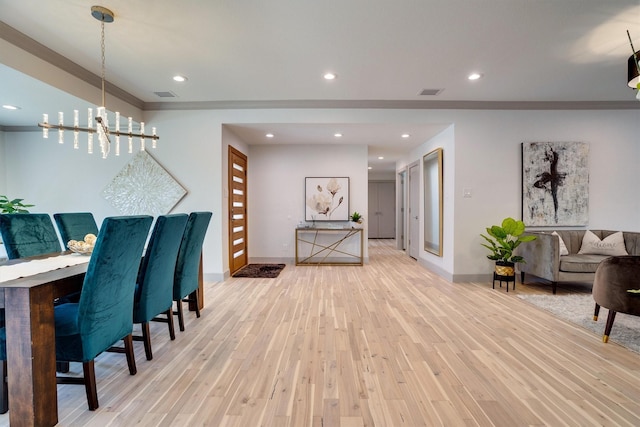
x=30, y=331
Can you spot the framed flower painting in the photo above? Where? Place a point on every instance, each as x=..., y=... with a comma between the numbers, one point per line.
x=326, y=199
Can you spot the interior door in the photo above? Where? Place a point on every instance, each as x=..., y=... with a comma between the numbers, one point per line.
x=414, y=210
x=382, y=213
x=238, y=247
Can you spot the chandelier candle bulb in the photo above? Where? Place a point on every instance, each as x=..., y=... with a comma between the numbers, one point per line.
x=117, y=133
x=75, y=132
x=142, y=136
x=130, y=135
x=45, y=130
x=60, y=130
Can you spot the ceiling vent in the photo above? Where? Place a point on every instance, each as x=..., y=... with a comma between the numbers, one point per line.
x=167, y=94
x=430, y=92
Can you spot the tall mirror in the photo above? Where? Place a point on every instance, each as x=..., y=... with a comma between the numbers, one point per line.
x=432, y=168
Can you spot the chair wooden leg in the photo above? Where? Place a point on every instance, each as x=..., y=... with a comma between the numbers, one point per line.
x=131, y=358
x=607, y=329
x=596, y=312
x=172, y=330
x=62, y=367
x=90, y=384
x=4, y=391
x=146, y=338
x=180, y=316
x=192, y=299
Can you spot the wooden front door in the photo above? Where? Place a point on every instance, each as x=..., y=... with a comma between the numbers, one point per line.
x=238, y=247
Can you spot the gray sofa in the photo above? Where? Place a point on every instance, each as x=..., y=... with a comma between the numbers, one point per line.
x=543, y=258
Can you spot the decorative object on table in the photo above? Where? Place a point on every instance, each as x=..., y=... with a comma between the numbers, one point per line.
x=356, y=219
x=102, y=128
x=75, y=225
x=13, y=206
x=269, y=271
x=502, y=241
x=85, y=246
x=143, y=187
x=555, y=183
x=633, y=69
x=326, y=199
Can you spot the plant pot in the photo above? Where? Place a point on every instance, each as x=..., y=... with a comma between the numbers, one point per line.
x=504, y=268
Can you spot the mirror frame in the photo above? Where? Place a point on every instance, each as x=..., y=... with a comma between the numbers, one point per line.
x=433, y=201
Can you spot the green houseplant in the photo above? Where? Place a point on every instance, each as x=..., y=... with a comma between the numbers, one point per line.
x=13, y=206
x=356, y=217
x=502, y=240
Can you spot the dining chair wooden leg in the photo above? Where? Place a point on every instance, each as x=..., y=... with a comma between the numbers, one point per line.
x=90, y=384
x=596, y=312
x=4, y=391
x=128, y=350
x=172, y=330
x=180, y=316
x=194, y=299
x=146, y=338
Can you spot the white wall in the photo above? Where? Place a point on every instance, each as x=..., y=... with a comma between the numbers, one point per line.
x=486, y=159
x=3, y=168
x=277, y=186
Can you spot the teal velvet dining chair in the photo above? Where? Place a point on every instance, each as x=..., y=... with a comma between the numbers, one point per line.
x=28, y=234
x=188, y=263
x=154, y=288
x=104, y=314
x=4, y=390
x=75, y=225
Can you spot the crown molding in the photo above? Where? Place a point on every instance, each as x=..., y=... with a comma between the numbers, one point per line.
x=394, y=104
x=29, y=45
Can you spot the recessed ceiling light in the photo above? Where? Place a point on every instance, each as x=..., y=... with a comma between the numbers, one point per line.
x=380, y=158
x=269, y=135
x=179, y=78
x=337, y=135
x=369, y=168
x=474, y=76
x=330, y=76
x=10, y=107
x=405, y=135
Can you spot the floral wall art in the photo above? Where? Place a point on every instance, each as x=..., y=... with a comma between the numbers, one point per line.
x=327, y=199
x=555, y=183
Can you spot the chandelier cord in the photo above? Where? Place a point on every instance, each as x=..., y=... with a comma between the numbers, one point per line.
x=102, y=48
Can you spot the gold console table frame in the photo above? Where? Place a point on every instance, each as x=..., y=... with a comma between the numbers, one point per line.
x=321, y=251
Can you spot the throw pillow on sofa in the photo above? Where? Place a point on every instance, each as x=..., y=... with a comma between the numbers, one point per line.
x=612, y=245
x=563, y=247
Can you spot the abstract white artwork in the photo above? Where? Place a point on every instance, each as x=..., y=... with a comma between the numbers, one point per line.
x=326, y=199
x=555, y=183
x=143, y=187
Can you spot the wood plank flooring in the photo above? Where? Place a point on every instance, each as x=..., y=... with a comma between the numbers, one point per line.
x=387, y=344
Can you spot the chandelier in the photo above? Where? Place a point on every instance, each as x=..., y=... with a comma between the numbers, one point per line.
x=102, y=129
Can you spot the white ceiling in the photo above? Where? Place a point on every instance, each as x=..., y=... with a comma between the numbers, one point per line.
x=384, y=52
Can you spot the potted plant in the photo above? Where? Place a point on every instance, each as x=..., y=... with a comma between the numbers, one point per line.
x=502, y=241
x=13, y=206
x=356, y=218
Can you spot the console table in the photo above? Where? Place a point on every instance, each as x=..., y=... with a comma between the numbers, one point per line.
x=329, y=246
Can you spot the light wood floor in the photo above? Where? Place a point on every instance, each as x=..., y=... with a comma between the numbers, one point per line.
x=387, y=344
